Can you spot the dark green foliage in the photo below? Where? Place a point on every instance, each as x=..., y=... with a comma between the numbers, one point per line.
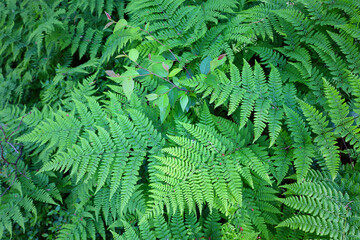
x=177, y=119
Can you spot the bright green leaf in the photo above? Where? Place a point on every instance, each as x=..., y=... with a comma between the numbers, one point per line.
x=152, y=96
x=147, y=27
x=120, y=24
x=164, y=111
x=128, y=87
x=133, y=54
x=157, y=58
x=159, y=70
x=132, y=73
x=161, y=89
x=121, y=55
x=163, y=101
x=184, y=101
x=174, y=72
x=216, y=63
x=149, y=38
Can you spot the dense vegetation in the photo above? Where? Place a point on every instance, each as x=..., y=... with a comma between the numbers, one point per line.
x=179, y=119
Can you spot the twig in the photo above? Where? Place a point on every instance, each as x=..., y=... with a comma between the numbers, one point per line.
x=351, y=162
x=214, y=147
x=8, y=188
x=17, y=127
x=347, y=205
x=13, y=147
x=261, y=20
x=19, y=152
x=3, y=131
x=2, y=155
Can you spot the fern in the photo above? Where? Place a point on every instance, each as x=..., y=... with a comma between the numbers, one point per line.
x=251, y=92
x=325, y=139
x=322, y=208
x=303, y=149
x=174, y=119
x=338, y=112
x=216, y=180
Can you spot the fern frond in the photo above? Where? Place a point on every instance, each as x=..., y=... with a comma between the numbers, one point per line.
x=323, y=208
x=325, y=139
x=339, y=112
x=314, y=224
x=238, y=92
x=61, y=131
x=276, y=98
x=349, y=49
x=303, y=148
x=355, y=85
x=250, y=95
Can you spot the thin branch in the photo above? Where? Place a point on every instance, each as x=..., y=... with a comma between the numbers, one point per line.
x=351, y=162
x=8, y=188
x=18, y=128
x=261, y=20
x=13, y=147
x=20, y=154
x=2, y=154
x=3, y=131
x=347, y=205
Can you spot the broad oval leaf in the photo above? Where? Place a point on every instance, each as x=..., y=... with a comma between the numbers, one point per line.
x=174, y=72
x=159, y=70
x=128, y=87
x=205, y=65
x=163, y=101
x=184, y=101
x=133, y=54
x=152, y=96
x=161, y=89
x=120, y=24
